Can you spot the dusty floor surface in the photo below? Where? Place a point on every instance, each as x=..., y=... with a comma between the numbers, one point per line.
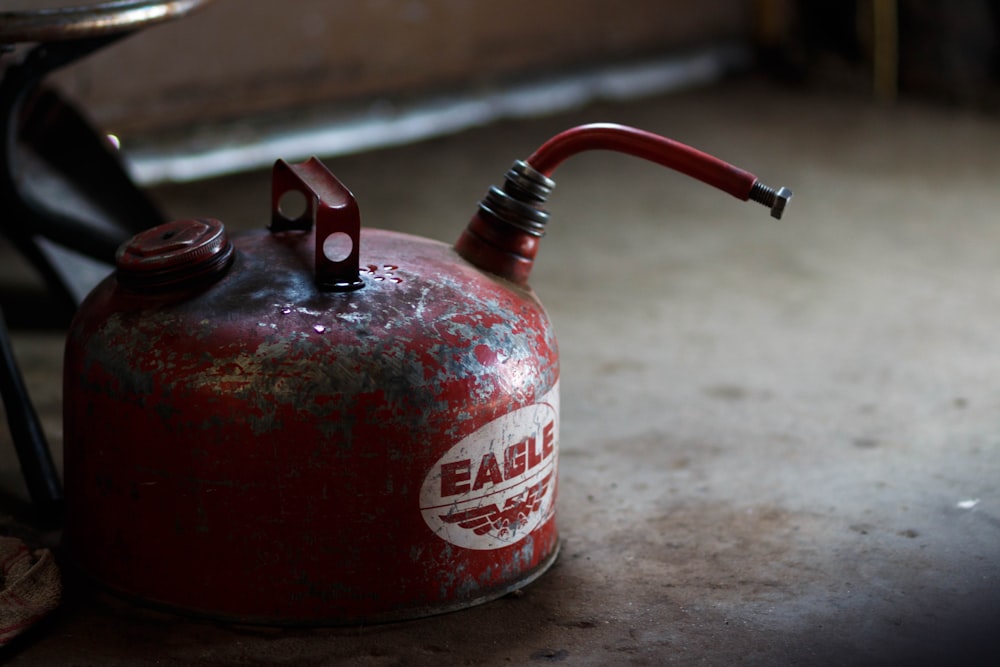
x=780, y=440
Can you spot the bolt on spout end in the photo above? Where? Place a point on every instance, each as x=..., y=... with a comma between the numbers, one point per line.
x=775, y=200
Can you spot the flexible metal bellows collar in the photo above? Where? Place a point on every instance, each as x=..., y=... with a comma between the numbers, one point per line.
x=519, y=203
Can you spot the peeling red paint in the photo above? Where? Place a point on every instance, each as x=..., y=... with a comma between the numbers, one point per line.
x=223, y=427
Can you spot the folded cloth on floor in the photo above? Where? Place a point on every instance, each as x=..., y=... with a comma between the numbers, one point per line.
x=30, y=587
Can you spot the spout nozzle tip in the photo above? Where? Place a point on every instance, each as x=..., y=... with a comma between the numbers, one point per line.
x=781, y=198
x=775, y=200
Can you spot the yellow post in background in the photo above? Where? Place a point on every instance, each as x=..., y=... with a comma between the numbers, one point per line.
x=885, y=50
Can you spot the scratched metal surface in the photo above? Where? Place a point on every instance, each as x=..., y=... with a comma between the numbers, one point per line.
x=779, y=441
x=294, y=435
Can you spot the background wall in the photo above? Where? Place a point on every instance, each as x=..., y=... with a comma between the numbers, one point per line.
x=238, y=57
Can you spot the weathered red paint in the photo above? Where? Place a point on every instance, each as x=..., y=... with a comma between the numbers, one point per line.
x=254, y=449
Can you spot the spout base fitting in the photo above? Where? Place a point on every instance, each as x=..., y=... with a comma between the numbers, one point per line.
x=502, y=237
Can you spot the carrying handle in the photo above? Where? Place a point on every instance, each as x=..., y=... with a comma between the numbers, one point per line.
x=307, y=194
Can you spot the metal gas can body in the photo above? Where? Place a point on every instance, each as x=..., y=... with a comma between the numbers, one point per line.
x=261, y=449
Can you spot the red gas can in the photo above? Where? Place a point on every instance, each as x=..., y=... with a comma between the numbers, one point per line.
x=324, y=424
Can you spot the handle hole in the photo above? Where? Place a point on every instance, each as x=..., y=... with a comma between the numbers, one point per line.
x=292, y=205
x=338, y=246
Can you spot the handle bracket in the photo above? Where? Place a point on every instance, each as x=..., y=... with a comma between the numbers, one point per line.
x=329, y=207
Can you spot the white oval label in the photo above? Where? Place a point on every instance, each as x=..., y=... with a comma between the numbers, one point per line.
x=494, y=487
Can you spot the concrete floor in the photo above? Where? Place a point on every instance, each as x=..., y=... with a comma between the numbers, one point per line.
x=780, y=440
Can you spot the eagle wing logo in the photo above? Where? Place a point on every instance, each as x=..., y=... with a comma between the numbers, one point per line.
x=502, y=522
